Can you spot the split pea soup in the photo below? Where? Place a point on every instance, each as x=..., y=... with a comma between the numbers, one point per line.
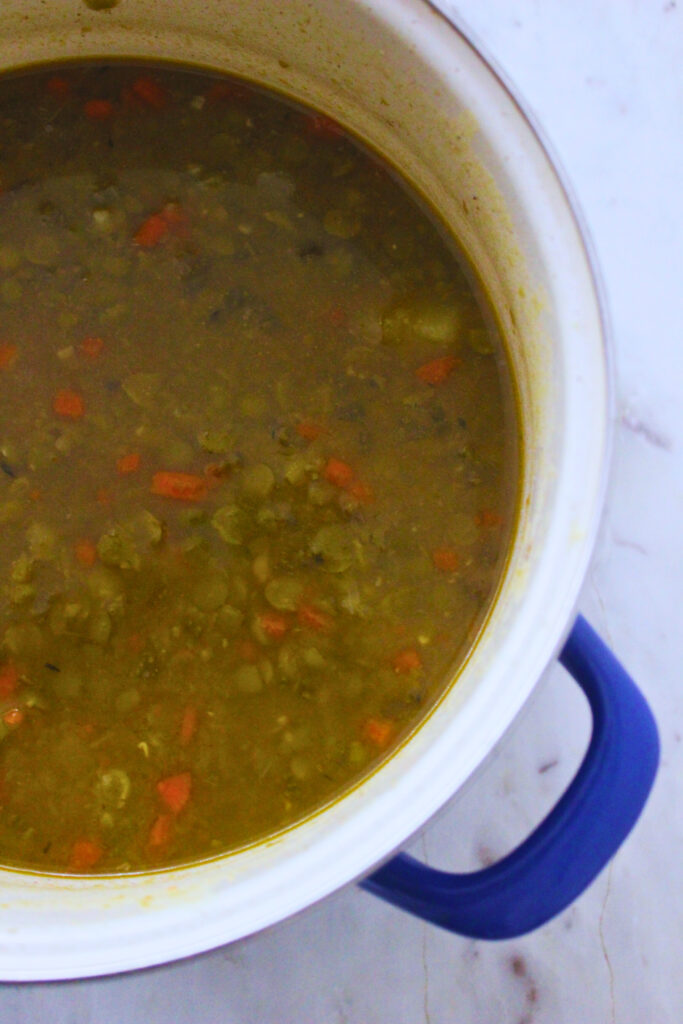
x=258, y=465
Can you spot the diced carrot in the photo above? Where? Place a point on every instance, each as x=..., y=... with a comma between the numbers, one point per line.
x=99, y=110
x=151, y=231
x=128, y=463
x=85, y=552
x=488, y=517
x=445, y=559
x=323, y=127
x=180, y=486
x=68, y=404
x=35, y=494
x=161, y=830
x=273, y=625
x=58, y=87
x=314, y=618
x=158, y=226
x=437, y=371
x=8, y=353
x=150, y=92
x=338, y=473
x=188, y=725
x=9, y=677
x=407, y=660
x=85, y=854
x=175, y=791
x=13, y=717
x=91, y=346
x=378, y=731
x=309, y=430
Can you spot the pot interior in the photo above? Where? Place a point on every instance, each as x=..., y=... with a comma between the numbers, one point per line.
x=407, y=82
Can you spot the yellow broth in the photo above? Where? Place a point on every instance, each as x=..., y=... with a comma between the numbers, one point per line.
x=258, y=465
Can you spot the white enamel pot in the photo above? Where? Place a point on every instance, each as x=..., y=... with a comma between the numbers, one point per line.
x=403, y=77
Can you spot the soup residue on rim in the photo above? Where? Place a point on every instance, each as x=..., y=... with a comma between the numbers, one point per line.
x=258, y=464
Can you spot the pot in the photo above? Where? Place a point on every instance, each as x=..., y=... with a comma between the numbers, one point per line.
x=401, y=76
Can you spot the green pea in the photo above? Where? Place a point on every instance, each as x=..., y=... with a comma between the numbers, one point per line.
x=284, y=593
x=23, y=639
x=229, y=619
x=229, y=524
x=258, y=481
x=248, y=679
x=99, y=628
x=210, y=593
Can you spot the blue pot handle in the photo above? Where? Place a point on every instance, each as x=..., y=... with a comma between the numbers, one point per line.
x=553, y=866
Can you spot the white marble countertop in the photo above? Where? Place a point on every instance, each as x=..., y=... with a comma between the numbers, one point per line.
x=605, y=81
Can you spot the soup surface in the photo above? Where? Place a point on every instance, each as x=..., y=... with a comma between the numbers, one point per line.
x=257, y=465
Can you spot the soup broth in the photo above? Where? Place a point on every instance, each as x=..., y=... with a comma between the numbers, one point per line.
x=258, y=465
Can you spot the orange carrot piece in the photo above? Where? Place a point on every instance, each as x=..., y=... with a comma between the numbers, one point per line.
x=68, y=404
x=175, y=791
x=128, y=463
x=445, y=559
x=378, y=731
x=85, y=552
x=58, y=87
x=161, y=830
x=9, y=677
x=150, y=92
x=488, y=518
x=323, y=127
x=85, y=854
x=188, y=725
x=273, y=625
x=99, y=110
x=91, y=346
x=309, y=430
x=315, y=619
x=158, y=226
x=407, y=660
x=8, y=353
x=151, y=231
x=338, y=473
x=13, y=717
x=437, y=371
x=180, y=486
